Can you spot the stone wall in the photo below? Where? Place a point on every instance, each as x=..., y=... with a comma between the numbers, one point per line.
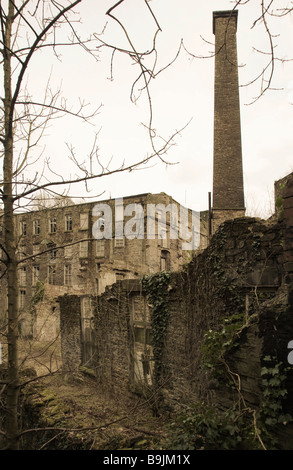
x=70, y=327
x=242, y=281
x=238, y=272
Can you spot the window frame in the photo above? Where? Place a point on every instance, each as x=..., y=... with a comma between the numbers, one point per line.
x=36, y=226
x=52, y=274
x=68, y=223
x=52, y=225
x=82, y=251
x=68, y=274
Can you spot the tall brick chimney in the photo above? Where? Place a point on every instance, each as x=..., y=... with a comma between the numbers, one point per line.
x=228, y=192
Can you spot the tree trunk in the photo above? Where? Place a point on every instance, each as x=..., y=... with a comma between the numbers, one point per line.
x=11, y=421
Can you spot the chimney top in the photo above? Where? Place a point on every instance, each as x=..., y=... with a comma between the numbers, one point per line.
x=224, y=14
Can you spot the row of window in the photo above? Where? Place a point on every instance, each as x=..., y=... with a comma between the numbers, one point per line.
x=51, y=275
x=68, y=253
x=70, y=250
x=52, y=224
x=67, y=273
x=52, y=280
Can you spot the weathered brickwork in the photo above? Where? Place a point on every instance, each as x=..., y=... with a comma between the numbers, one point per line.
x=228, y=192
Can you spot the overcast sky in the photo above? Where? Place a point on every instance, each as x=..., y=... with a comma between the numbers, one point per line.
x=181, y=94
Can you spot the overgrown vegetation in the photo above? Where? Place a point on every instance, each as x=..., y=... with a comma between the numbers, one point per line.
x=39, y=293
x=157, y=288
x=239, y=427
x=203, y=427
x=219, y=342
x=274, y=376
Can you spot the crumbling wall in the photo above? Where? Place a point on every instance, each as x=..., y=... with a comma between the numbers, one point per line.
x=235, y=273
x=229, y=317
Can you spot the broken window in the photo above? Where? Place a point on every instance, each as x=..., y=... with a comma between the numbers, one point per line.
x=68, y=222
x=52, y=225
x=36, y=227
x=165, y=260
x=22, y=294
x=23, y=227
x=67, y=274
x=51, y=275
x=36, y=274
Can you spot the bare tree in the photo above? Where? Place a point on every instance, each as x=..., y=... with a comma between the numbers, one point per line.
x=27, y=28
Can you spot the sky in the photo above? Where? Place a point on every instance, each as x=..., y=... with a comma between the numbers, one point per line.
x=182, y=98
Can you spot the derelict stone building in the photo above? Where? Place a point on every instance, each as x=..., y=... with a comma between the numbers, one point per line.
x=56, y=248
x=59, y=254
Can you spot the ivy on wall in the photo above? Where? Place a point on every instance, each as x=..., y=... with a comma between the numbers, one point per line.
x=157, y=289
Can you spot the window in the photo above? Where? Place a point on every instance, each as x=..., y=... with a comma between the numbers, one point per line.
x=118, y=242
x=51, y=275
x=22, y=295
x=68, y=251
x=36, y=227
x=36, y=249
x=84, y=221
x=67, y=275
x=23, y=227
x=163, y=237
x=83, y=249
x=100, y=248
x=36, y=274
x=165, y=260
x=52, y=253
x=68, y=223
x=22, y=276
x=21, y=253
x=52, y=225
